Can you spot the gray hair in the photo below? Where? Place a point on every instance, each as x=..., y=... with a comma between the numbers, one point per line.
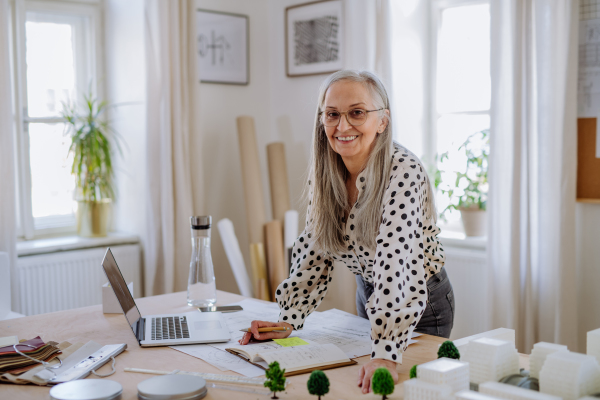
x=327, y=195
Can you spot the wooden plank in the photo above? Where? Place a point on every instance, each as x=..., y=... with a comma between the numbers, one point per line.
x=588, y=166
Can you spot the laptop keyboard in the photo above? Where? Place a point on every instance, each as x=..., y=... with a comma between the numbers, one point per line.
x=164, y=328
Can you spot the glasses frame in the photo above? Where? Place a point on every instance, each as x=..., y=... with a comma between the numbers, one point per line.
x=347, y=119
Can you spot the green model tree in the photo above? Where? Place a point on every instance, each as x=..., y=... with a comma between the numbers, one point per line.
x=318, y=384
x=382, y=382
x=448, y=350
x=275, y=379
x=413, y=371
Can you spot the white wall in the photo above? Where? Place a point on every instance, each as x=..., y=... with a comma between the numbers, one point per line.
x=125, y=83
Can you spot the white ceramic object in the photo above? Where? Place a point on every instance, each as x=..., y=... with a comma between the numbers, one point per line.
x=511, y=392
x=445, y=371
x=593, y=344
x=570, y=375
x=417, y=389
x=491, y=360
x=538, y=356
x=474, y=221
x=471, y=395
x=499, y=334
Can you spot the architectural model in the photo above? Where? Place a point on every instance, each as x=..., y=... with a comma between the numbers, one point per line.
x=445, y=371
x=471, y=395
x=593, y=344
x=490, y=360
x=570, y=375
x=538, y=356
x=499, y=334
x=511, y=392
x=417, y=389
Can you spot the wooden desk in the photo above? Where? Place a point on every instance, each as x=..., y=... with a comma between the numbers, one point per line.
x=89, y=323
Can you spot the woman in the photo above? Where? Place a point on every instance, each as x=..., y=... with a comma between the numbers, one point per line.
x=371, y=207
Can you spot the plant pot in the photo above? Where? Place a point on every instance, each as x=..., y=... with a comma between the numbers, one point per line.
x=93, y=217
x=474, y=221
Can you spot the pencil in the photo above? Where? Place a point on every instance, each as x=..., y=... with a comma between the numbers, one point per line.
x=270, y=329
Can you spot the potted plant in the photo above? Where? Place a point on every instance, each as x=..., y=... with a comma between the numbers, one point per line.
x=468, y=192
x=91, y=147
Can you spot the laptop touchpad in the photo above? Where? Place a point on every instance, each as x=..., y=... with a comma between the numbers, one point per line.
x=202, y=325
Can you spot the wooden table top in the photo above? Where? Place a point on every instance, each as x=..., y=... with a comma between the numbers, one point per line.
x=89, y=323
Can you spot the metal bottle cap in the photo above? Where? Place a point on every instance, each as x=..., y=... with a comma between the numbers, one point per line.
x=203, y=222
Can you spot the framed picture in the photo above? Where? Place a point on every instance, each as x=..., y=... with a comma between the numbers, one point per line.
x=314, y=38
x=223, y=54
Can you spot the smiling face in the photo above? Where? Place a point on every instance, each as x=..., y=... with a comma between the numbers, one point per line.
x=352, y=143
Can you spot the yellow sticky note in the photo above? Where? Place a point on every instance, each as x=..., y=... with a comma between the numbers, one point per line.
x=289, y=342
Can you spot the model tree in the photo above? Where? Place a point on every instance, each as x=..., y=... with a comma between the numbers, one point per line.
x=318, y=384
x=275, y=379
x=413, y=371
x=448, y=350
x=383, y=383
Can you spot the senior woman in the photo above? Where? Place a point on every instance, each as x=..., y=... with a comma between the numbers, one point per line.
x=371, y=207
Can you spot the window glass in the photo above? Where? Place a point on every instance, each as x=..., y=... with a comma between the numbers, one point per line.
x=463, y=59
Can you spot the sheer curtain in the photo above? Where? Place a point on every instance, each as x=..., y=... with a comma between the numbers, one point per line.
x=172, y=92
x=8, y=233
x=532, y=172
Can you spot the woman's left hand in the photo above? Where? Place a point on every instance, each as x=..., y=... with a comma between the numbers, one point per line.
x=366, y=372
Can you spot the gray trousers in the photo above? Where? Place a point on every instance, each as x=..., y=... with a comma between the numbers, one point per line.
x=438, y=317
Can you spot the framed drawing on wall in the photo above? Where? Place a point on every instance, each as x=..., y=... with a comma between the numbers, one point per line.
x=222, y=45
x=314, y=38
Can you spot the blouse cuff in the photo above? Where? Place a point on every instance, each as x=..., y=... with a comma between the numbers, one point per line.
x=293, y=317
x=387, y=350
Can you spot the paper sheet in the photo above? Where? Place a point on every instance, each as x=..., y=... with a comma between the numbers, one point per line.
x=221, y=359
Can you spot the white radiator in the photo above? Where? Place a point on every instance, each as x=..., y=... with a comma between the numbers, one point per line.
x=71, y=279
x=467, y=270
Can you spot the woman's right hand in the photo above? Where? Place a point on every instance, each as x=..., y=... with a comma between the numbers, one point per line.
x=265, y=335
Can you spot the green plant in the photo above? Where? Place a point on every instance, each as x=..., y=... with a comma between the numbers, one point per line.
x=318, y=384
x=448, y=350
x=275, y=379
x=413, y=372
x=382, y=382
x=91, y=149
x=469, y=189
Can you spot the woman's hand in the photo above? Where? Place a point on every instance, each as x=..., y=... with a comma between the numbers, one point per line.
x=366, y=372
x=266, y=335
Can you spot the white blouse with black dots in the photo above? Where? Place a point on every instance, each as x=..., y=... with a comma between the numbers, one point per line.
x=408, y=253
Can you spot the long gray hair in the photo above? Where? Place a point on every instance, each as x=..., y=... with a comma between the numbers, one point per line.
x=327, y=195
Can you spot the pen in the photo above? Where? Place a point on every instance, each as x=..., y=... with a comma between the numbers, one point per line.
x=270, y=329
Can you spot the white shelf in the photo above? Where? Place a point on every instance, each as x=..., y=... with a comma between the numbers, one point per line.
x=73, y=242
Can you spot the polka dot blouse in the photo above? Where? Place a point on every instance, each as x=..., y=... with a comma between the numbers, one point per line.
x=408, y=253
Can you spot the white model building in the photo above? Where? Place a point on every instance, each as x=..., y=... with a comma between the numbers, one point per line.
x=491, y=360
x=511, y=392
x=499, y=334
x=471, y=395
x=445, y=371
x=417, y=389
x=570, y=375
x=538, y=356
x=593, y=344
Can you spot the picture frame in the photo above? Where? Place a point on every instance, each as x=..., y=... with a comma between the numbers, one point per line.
x=222, y=47
x=314, y=38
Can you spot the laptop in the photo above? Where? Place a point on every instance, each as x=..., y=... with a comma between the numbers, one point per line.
x=165, y=329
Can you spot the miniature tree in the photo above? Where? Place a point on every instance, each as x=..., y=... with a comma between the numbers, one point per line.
x=318, y=384
x=448, y=350
x=275, y=379
x=413, y=371
x=382, y=382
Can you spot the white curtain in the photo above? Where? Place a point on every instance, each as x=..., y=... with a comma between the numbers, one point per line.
x=172, y=92
x=8, y=234
x=533, y=170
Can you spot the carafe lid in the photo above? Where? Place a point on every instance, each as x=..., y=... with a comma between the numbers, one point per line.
x=201, y=222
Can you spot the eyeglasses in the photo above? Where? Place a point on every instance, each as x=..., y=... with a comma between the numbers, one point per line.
x=355, y=117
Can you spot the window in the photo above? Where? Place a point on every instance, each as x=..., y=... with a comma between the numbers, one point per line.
x=461, y=89
x=54, y=49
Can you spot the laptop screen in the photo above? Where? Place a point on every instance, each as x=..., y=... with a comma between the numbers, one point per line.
x=115, y=278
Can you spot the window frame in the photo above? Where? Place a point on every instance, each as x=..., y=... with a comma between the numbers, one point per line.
x=431, y=135
x=90, y=49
